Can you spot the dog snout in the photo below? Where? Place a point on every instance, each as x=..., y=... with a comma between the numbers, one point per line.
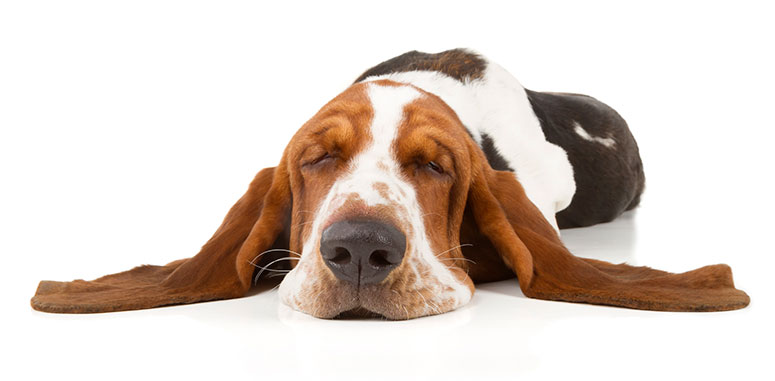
x=362, y=251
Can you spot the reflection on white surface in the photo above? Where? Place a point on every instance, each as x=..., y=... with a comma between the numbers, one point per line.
x=352, y=348
x=613, y=242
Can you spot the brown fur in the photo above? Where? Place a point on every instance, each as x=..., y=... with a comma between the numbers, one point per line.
x=469, y=203
x=456, y=63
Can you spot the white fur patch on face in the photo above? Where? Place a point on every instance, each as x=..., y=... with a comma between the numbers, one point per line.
x=375, y=177
x=608, y=142
x=377, y=164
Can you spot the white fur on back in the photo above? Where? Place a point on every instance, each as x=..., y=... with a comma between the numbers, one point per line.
x=497, y=105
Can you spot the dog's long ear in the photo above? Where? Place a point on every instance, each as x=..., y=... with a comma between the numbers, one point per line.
x=528, y=244
x=222, y=269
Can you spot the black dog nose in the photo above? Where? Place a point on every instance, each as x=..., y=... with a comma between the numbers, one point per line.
x=362, y=251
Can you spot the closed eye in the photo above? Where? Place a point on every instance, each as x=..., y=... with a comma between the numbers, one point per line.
x=432, y=165
x=320, y=159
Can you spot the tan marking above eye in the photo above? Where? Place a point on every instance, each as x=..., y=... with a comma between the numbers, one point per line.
x=425, y=147
x=335, y=134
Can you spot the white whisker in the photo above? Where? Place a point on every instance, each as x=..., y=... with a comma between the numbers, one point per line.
x=456, y=247
x=304, y=223
x=273, y=251
x=423, y=299
x=266, y=268
x=456, y=259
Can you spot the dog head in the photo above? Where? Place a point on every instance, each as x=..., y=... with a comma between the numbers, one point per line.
x=379, y=180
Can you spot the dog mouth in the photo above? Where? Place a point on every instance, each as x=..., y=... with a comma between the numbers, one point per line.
x=409, y=292
x=382, y=301
x=358, y=313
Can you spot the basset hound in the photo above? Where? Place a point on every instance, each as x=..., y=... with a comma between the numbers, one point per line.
x=432, y=172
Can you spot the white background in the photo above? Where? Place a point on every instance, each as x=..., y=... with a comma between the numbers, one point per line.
x=128, y=130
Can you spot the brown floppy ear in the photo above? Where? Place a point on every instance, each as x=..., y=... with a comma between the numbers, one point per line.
x=222, y=269
x=547, y=270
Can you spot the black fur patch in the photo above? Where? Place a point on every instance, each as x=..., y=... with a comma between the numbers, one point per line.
x=494, y=157
x=456, y=63
x=609, y=180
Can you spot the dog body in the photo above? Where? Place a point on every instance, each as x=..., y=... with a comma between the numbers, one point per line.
x=574, y=156
x=430, y=173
